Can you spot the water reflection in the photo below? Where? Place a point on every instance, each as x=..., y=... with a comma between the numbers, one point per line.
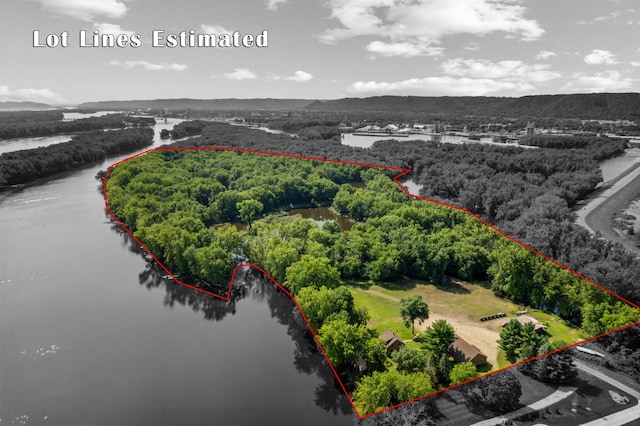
x=252, y=284
x=320, y=215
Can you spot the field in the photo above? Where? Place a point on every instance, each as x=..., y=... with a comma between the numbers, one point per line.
x=461, y=304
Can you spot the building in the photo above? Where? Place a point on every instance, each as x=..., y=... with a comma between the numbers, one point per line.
x=392, y=341
x=537, y=325
x=463, y=351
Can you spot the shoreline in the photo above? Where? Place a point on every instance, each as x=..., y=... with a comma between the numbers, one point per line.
x=597, y=215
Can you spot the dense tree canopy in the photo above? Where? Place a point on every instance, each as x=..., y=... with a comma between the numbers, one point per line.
x=179, y=204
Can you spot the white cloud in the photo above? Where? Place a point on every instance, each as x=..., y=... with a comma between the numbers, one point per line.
x=605, y=81
x=105, y=28
x=600, y=57
x=214, y=29
x=30, y=95
x=86, y=10
x=545, y=54
x=149, y=66
x=635, y=64
x=613, y=15
x=298, y=76
x=445, y=85
x=508, y=71
x=473, y=46
x=409, y=27
x=404, y=49
x=241, y=74
x=273, y=4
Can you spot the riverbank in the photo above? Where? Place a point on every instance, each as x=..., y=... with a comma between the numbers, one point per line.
x=597, y=216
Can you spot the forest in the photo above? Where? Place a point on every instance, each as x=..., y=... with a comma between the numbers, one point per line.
x=517, y=195
x=46, y=123
x=181, y=205
x=24, y=166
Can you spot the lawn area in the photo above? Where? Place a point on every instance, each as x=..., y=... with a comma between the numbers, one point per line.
x=461, y=303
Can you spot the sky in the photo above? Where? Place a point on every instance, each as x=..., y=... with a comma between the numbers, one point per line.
x=320, y=49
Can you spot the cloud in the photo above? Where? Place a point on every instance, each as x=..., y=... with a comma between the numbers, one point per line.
x=635, y=64
x=443, y=85
x=149, y=66
x=214, y=29
x=30, y=95
x=545, y=54
x=605, y=81
x=111, y=29
x=404, y=49
x=298, y=76
x=273, y=4
x=600, y=57
x=241, y=74
x=613, y=15
x=86, y=10
x=412, y=28
x=509, y=71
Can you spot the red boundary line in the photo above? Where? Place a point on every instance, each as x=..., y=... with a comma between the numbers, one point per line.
x=403, y=172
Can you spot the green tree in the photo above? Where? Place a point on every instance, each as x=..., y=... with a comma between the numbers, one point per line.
x=439, y=336
x=311, y=271
x=249, y=210
x=413, y=308
x=530, y=342
x=510, y=338
x=462, y=372
x=409, y=360
x=344, y=343
x=324, y=304
x=384, y=389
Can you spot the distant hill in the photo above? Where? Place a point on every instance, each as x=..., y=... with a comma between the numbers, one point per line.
x=604, y=106
x=581, y=106
x=204, y=104
x=15, y=106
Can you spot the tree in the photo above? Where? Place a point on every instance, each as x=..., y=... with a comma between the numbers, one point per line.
x=324, y=304
x=439, y=336
x=462, y=372
x=413, y=308
x=343, y=342
x=311, y=271
x=557, y=367
x=409, y=360
x=510, y=338
x=384, y=389
x=500, y=391
x=530, y=342
x=249, y=210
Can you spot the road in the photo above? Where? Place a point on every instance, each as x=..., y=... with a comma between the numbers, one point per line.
x=620, y=418
x=597, y=215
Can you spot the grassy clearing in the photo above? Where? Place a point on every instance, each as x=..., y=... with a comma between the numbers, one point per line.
x=462, y=303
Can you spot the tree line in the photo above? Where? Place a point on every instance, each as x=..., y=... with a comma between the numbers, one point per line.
x=27, y=165
x=51, y=124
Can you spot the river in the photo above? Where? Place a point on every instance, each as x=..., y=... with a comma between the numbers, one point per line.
x=366, y=141
x=19, y=144
x=92, y=334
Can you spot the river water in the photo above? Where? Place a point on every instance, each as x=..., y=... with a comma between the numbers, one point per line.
x=19, y=144
x=90, y=334
x=613, y=167
x=366, y=141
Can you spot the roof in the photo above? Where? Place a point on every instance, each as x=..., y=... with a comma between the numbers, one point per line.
x=389, y=336
x=526, y=319
x=462, y=351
